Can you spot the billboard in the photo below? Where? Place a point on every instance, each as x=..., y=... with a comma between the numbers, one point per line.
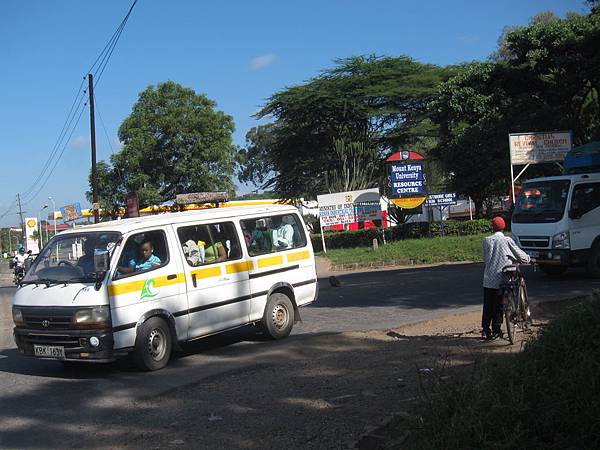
x=407, y=179
x=31, y=226
x=349, y=207
x=535, y=148
x=71, y=212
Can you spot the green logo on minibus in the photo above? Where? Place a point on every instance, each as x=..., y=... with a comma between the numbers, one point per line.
x=148, y=290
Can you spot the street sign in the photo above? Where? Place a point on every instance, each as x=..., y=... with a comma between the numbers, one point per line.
x=349, y=207
x=407, y=179
x=444, y=199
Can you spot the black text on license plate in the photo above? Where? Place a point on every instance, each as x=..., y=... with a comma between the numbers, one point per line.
x=49, y=351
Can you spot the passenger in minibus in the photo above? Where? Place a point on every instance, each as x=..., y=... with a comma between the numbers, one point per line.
x=86, y=262
x=283, y=234
x=217, y=252
x=146, y=261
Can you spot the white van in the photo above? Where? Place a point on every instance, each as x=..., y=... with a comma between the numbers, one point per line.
x=147, y=284
x=557, y=221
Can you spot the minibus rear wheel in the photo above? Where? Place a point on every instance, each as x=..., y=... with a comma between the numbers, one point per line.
x=153, y=344
x=278, y=319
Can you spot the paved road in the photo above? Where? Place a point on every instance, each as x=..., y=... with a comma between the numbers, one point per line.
x=45, y=396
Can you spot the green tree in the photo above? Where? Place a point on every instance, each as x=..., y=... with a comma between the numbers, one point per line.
x=345, y=120
x=174, y=141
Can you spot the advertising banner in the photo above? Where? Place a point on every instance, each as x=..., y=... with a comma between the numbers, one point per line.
x=133, y=206
x=31, y=226
x=407, y=179
x=71, y=212
x=349, y=207
x=535, y=148
x=445, y=199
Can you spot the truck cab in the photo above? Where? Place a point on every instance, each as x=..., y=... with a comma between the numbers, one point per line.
x=557, y=221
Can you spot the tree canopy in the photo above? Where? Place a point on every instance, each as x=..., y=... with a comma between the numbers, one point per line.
x=340, y=125
x=174, y=141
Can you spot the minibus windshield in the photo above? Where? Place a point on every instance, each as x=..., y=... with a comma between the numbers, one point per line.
x=542, y=202
x=70, y=258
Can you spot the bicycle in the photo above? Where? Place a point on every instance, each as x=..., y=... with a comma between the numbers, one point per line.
x=514, y=299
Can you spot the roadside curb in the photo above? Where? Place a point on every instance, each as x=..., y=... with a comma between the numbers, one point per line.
x=358, y=267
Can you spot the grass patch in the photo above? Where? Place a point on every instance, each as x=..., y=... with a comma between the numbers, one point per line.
x=547, y=396
x=411, y=251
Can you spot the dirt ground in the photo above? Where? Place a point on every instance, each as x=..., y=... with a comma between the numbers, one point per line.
x=337, y=391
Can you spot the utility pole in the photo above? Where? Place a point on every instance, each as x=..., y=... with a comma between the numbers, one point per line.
x=93, y=139
x=22, y=223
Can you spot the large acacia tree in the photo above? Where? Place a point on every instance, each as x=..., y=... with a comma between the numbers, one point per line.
x=334, y=131
x=174, y=141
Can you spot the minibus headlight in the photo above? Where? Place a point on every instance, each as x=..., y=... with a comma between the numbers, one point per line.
x=17, y=315
x=95, y=317
x=561, y=240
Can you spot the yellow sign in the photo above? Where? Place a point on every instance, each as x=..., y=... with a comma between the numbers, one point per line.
x=408, y=203
x=31, y=223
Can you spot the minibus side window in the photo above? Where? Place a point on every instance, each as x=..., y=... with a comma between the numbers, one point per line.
x=270, y=234
x=209, y=243
x=143, y=252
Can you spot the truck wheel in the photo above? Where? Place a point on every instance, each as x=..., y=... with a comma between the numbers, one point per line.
x=593, y=266
x=278, y=319
x=553, y=271
x=152, y=344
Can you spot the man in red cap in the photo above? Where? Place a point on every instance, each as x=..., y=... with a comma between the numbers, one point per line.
x=495, y=250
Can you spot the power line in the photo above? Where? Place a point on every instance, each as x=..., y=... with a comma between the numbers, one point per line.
x=101, y=62
x=59, y=156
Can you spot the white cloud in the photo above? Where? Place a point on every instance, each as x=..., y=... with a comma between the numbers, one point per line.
x=260, y=62
x=80, y=143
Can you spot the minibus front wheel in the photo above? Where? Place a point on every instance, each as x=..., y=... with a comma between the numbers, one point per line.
x=153, y=344
x=278, y=319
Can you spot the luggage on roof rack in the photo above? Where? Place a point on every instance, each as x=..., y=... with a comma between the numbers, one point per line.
x=583, y=159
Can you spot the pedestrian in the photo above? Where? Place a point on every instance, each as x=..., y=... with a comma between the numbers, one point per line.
x=496, y=249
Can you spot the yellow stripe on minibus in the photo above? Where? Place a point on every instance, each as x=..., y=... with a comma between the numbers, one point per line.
x=268, y=262
x=292, y=257
x=136, y=286
x=209, y=272
x=126, y=288
x=239, y=267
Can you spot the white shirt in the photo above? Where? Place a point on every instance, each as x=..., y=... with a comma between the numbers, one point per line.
x=495, y=249
x=20, y=259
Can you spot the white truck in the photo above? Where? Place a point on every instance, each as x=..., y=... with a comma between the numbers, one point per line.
x=557, y=221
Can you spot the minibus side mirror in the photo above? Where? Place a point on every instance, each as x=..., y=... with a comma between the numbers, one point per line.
x=574, y=213
x=101, y=264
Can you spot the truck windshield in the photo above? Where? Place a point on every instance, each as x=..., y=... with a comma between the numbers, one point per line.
x=69, y=258
x=542, y=202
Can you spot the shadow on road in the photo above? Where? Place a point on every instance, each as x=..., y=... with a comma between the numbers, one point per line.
x=438, y=287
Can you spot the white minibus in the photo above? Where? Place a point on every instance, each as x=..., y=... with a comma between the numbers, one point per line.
x=143, y=286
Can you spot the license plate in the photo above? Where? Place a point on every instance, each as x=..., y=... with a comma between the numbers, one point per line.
x=534, y=254
x=49, y=351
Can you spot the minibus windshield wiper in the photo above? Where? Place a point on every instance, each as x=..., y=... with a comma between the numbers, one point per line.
x=46, y=281
x=80, y=279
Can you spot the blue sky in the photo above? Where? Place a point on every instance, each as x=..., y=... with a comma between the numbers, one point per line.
x=236, y=52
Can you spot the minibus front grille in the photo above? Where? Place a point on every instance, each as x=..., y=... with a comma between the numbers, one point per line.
x=48, y=318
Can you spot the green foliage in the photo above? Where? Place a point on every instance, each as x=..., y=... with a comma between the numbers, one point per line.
x=341, y=124
x=409, y=252
x=174, y=141
x=364, y=237
x=547, y=80
x=550, y=392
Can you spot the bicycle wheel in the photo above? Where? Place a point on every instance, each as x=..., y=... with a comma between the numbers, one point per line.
x=508, y=303
x=524, y=310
